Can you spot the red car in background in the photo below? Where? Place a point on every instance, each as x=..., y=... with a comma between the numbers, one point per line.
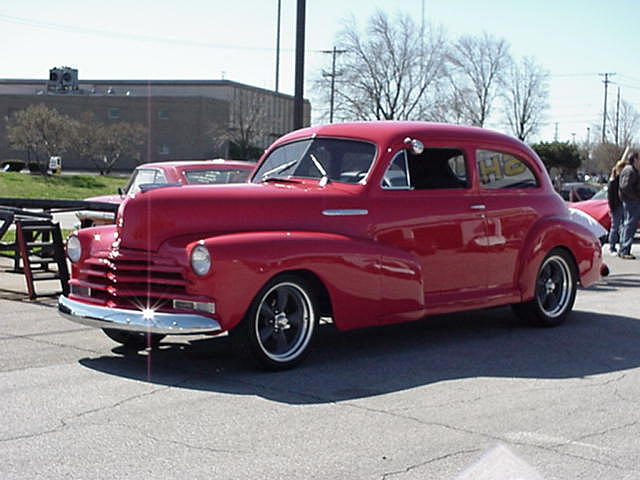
x=172, y=172
x=597, y=206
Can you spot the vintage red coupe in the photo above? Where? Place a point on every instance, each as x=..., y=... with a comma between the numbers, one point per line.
x=366, y=223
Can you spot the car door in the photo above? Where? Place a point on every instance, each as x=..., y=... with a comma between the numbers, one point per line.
x=509, y=191
x=433, y=212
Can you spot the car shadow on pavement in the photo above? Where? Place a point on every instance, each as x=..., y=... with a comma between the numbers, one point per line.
x=364, y=363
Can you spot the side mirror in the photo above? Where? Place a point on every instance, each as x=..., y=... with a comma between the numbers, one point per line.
x=121, y=191
x=416, y=147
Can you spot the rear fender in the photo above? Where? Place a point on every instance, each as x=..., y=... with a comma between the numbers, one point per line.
x=550, y=233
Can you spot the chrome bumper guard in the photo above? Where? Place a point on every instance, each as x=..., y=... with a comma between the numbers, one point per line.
x=136, y=321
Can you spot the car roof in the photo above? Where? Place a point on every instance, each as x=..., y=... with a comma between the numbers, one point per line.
x=183, y=164
x=385, y=131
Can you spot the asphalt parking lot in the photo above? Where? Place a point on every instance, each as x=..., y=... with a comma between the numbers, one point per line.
x=450, y=397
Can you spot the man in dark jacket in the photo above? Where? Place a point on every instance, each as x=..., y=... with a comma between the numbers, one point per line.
x=630, y=196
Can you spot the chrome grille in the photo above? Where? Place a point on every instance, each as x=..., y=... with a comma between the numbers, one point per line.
x=132, y=280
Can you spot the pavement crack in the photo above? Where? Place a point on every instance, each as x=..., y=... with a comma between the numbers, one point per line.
x=31, y=338
x=184, y=444
x=430, y=461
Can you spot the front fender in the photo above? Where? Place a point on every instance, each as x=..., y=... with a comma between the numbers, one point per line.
x=551, y=233
x=365, y=280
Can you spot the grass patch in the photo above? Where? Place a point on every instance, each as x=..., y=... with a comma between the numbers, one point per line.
x=63, y=187
x=10, y=236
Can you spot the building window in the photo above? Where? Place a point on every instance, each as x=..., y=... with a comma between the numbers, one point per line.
x=113, y=113
x=163, y=149
x=163, y=114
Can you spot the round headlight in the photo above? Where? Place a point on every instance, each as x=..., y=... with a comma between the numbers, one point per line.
x=74, y=248
x=200, y=260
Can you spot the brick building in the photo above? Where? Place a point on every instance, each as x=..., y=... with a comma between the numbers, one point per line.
x=178, y=114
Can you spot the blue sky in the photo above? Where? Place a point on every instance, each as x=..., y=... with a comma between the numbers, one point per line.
x=211, y=39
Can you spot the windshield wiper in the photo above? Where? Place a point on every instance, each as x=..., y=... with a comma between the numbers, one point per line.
x=279, y=179
x=325, y=176
x=278, y=169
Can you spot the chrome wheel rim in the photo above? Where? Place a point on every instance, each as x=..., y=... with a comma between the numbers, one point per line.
x=284, y=322
x=554, y=286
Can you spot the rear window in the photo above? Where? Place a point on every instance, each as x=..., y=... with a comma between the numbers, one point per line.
x=216, y=175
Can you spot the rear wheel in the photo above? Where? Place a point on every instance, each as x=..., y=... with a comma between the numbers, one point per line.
x=280, y=325
x=555, y=291
x=134, y=340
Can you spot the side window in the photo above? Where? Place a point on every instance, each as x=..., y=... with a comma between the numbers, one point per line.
x=500, y=170
x=397, y=175
x=438, y=168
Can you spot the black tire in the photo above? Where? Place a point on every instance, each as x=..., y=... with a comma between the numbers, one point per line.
x=134, y=341
x=555, y=291
x=279, y=328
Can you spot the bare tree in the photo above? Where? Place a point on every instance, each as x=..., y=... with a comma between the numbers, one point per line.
x=104, y=144
x=84, y=137
x=624, y=124
x=41, y=131
x=526, y=97
x=476, y=70
x=389, y=72
x=246, y=133
x=116, y=141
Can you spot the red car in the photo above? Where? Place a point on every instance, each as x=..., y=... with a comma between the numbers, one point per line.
x=367, y=223
x=182, y=172
x=597, y=206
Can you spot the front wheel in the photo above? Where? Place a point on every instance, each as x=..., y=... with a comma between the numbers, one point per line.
x=555, y=291
x=280, y=325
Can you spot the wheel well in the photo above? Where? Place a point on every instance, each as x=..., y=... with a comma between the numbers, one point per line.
x=324, y=300
x=570, y=255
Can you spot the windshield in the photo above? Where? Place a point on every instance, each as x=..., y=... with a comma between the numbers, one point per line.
x=143, y=176
x=345, y=161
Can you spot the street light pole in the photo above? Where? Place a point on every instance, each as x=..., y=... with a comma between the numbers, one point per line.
x=298, y=99
x=278, y=46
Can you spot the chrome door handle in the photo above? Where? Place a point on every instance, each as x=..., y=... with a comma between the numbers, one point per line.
x=478, y=207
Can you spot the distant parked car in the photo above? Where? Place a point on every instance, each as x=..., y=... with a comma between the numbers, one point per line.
x=577, y=191
x=161, y=173
x=597, y=206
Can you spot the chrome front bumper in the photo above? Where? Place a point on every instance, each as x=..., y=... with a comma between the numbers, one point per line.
x=136, y=321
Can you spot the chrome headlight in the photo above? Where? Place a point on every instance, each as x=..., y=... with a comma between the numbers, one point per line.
x=200, y=260
x=74, y=248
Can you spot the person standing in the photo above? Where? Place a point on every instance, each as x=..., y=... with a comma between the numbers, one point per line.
x=630, y=196
x=615, y=205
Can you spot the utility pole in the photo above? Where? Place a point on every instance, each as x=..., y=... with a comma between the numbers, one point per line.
x=555, y=135
x=333, y=75
x=617, y=115
x=298, y=98
x=604, y=115
x=278, y=45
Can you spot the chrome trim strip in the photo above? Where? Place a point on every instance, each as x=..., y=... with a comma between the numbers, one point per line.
x=345, y=212
x=135, y=321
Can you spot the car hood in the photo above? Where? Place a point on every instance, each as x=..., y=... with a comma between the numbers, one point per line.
x=105, y=198
x=150, y=218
